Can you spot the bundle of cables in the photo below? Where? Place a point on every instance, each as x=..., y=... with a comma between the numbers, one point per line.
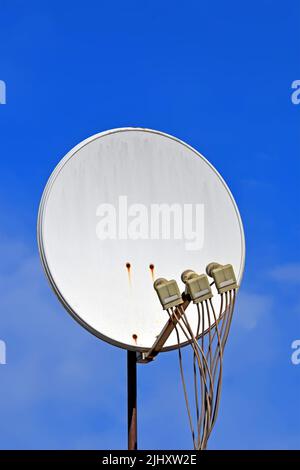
x=207, y=340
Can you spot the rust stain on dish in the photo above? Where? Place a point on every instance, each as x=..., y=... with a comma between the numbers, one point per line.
x=151, y=267
x=128, y=267
x=134, y=337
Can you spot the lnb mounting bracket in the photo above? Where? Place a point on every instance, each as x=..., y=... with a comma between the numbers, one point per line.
x=148, y=356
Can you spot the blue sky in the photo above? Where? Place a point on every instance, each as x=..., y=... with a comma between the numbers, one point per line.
x=217, y=75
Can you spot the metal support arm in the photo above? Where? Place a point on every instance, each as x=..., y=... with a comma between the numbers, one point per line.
x=145, y=357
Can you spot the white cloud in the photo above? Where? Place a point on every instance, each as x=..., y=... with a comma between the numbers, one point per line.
x=286, y=273
x=251, y=308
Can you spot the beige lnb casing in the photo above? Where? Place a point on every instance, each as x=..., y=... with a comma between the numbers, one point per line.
x=197, y=286
x=224, y=277
x=168, y=293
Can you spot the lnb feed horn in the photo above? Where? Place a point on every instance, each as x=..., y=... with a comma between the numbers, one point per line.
x=197, y=286
x=187, y=274
x=223, y=275
x=168, y=293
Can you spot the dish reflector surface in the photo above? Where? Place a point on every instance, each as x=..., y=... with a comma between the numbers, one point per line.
x=123, y=208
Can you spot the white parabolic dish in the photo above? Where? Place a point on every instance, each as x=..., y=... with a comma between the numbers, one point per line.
x=139, y=197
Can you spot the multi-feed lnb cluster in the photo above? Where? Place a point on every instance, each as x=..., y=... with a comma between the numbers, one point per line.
x=197, y=286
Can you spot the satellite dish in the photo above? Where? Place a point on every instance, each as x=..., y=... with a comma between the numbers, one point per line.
x=123, y=208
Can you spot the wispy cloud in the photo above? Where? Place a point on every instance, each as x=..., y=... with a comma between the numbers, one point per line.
x=286, y=273
x=252, y=308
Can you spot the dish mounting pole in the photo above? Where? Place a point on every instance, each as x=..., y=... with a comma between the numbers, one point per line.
x=132, y=399
x=132, y=359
